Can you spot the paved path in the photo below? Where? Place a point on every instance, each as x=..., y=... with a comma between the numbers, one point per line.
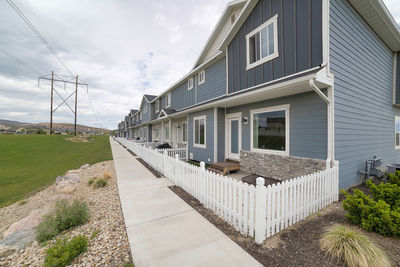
x=162, y=229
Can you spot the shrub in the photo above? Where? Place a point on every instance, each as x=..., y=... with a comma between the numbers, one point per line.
x=106, y=175
x=94, y=234
x=388, y=192
x=63, y=217
x=100, y=183
x=394, y=178
x=348, y=245
x=91, y=181
x=63, y=251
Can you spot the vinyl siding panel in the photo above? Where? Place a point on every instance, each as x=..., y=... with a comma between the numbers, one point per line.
x=215, y=82
x=299, y=42
x=182, y=97
x=364, y=115
x=307, y=124
x=221, y=134
x=397, y=100
x=202, y=154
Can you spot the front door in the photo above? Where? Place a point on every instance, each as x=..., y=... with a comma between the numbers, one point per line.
x=234, y=142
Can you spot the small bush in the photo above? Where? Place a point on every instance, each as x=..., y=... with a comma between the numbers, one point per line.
x=348, y=245
x=106, y=175
x=394, y=178
x=63, y=251
x=100, y=183
x=91, y=181
x=22, y=202
x=63, y=217
x=94, y=234
x=388, y=192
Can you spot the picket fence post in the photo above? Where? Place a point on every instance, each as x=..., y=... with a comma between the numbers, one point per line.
x=203, y=183
x=260, y=220
x=177, y=170
x=165, y=164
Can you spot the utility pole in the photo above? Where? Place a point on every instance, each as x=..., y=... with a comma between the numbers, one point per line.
x=76, y=102
x=51, y=103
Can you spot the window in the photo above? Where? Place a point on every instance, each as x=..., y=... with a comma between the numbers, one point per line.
x=157, y=108
x=145, y=108
x=140, y=115
x=262, y=43
x=397, y=132
x=167, y=132
x=157, y=131
x=199, y=131
x=190, y=83
x=201, y=77
x=270, y=130
x=168, y=100
x=184, y=132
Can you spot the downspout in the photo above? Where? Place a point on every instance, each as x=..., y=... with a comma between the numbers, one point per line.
x=330, y=118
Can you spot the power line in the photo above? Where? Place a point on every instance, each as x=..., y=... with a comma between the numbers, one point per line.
x=38, y=34
x=18, y=60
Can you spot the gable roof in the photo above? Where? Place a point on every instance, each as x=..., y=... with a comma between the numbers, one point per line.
x=133, y=112
x=374, y=12
x=149, y=98
x=218, y=31
x=166, y=111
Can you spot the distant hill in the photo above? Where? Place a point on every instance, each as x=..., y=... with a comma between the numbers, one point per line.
x=8, y=122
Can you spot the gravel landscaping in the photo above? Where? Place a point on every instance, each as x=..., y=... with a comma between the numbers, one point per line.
x=108, y=241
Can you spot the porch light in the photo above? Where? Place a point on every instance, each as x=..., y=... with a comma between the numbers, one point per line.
x=245, y=120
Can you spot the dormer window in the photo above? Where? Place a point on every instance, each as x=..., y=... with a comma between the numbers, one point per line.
x=168, y=100
x=262, y=43
x=157, y=108
x=201, y=77
x=190, y=84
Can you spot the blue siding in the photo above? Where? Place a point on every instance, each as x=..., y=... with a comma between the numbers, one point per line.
x=364, y=116
x=299, y=42
x=398, y=79
x=215, y=84
x=182, y=97
x=202, y=154
x=307, y=124
x=221, y=134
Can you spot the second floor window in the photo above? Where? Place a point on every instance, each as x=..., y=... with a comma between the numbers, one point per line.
x=262, y=43
x=157, y=109
x=168, y=100
x=201, y=77
x=190, y=84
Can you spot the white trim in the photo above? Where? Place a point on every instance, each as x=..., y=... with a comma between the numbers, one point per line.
x=286, y=108
x=325, y=33
x=157, y=109
x=228, y=117
x=168, y=100
x=215, y=134
x=201, y=74
x=395, y=146
x=274, y=21
x=190, y=84
x=202, y=117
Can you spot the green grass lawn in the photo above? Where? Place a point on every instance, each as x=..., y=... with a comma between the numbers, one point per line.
x=30, y=162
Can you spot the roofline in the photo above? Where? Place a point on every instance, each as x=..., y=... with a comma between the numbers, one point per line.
x=217, y=27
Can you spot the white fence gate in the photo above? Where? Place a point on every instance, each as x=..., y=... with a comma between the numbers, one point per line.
x=258, y=211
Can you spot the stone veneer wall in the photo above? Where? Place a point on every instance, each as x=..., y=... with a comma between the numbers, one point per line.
x=279, y=167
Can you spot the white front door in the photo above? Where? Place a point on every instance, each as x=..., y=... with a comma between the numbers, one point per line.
x=233, y=136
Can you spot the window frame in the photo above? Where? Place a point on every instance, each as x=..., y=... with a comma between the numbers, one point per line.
x=190, y=84
x=168, y=100
x=396, y=147
x=286, y=108
x=203, y=117
x=183, y=132
x=274, y=55
x=157, y=108
x=199, y=82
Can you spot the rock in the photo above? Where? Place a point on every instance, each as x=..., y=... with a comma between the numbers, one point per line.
x=26, y=223
x=19, y=239
x=87, y=165
x=6, y=250
x=68, y=182
x=68, y=189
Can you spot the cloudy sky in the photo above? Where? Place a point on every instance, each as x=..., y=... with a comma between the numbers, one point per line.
x=122, y=49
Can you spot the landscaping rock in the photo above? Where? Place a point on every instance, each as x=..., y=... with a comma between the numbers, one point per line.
x=6, y=250
x=20, y=239
x=68, y=182
x=27, y=223
x=87, y=165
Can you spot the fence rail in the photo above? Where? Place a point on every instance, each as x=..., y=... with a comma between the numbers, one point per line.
x=257, y=211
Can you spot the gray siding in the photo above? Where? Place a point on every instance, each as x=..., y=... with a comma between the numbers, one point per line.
x=215, y=84
x=364, y=116
x=149, y=133
x=221, y=134
x=299, y=41
x=202, y=154
x=181, y=97
x=398, y=79
x=307, y=124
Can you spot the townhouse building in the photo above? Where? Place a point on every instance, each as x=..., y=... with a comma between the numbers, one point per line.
x=286, y=88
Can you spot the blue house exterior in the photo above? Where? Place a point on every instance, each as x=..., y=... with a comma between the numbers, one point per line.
x=287, y=88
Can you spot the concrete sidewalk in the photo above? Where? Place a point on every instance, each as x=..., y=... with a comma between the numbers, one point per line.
x=162, y=229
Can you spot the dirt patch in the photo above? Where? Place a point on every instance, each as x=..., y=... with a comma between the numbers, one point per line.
x=297, y=245
x=80, y=139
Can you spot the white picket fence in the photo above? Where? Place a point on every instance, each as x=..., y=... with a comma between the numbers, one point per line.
x=257, y=211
